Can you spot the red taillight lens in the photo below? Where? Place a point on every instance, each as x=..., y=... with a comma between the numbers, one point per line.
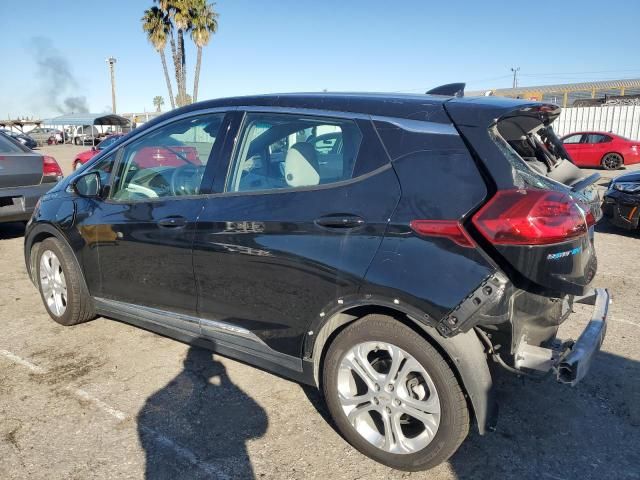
x=450, y=229
x=50, y=167
x=532, y=217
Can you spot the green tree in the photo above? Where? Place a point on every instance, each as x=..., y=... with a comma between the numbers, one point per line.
x=203, y=25
x=158, y=101
x=157, y=27
x=175, y=19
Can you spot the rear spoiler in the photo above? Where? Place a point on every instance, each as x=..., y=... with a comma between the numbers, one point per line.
x=450, y=90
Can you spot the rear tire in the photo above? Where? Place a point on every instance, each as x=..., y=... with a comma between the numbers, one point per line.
x=612, y=161
x=76, y=141
x=411, y=420
x=61, y=285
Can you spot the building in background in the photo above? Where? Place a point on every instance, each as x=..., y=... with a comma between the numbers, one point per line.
x=608, y=92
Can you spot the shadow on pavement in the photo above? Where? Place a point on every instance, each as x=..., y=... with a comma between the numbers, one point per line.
x=552, y=431
x=197, y=426
x=11, y=230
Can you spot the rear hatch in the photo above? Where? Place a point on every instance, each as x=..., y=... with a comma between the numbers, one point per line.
x=538, y=220
x=20, y=169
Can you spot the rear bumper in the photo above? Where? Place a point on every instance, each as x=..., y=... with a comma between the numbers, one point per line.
x=17, y=204
x=575, y=363
x=570, y=360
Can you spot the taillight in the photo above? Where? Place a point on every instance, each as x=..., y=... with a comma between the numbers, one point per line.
x=50, y=167
x=532, y=217
x=450, y=229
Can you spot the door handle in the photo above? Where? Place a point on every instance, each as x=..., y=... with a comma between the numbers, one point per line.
x=340, y=221
x=172, y=222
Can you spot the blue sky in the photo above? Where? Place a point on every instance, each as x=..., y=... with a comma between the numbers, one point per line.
x=344, y=45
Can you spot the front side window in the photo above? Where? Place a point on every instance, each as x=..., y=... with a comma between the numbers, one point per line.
x=290, y=151
x=166, y=162
x=572, y=139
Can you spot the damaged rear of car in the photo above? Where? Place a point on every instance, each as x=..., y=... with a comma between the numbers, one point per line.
x=537, y=226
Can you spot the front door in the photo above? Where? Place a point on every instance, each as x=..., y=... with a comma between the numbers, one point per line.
x=142, y=233
x=294, y=227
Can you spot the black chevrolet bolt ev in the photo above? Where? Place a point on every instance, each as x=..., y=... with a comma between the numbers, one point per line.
x=385, y=248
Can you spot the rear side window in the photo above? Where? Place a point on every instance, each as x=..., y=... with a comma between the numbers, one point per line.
x=289, y=151
x=597, y=138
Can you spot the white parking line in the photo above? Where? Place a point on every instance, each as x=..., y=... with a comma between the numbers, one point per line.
x=83, y=394
x=159, y=438
x=21, y=361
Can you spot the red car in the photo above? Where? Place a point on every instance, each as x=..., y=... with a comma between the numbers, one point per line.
x=148, y=157
x=601, y=149
x=84, y=157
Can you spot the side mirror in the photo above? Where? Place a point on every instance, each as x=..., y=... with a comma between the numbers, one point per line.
x=94, y=149
x=88, y=185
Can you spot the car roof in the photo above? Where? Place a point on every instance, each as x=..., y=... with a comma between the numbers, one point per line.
x=407, y=106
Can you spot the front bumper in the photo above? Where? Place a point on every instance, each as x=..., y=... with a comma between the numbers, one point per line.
x=570, y=361
x=622, y=209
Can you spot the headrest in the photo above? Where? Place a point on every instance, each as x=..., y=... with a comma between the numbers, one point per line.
x=301, y=166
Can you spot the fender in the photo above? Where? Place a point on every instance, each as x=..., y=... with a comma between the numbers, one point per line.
x=36, y=230
x=465, y=350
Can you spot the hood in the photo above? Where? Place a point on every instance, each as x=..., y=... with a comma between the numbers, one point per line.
x=627, y=177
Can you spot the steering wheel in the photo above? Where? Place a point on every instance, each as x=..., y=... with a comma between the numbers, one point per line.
x=186, y=180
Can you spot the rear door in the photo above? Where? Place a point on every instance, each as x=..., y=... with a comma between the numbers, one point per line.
x=290, y=230
x=141, y=235
x=19, y=166
x=594, y=145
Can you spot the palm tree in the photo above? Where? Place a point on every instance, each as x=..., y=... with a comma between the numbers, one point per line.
x=182, y=16
x=158, y=101
x=168, y=8
x=157, y=26
x=204, y=25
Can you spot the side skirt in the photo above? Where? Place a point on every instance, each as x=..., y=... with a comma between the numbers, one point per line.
x=220, y=337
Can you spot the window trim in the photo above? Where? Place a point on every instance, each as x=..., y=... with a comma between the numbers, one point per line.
x=120, y=149
x=238, y=143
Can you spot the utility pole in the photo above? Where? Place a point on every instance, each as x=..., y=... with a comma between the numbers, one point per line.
x=515, y=76
x=112, y=65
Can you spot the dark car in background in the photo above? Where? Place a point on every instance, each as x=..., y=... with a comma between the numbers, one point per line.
x=387, y=249
x=24, y=177
x=621, y=203
x=24, y=139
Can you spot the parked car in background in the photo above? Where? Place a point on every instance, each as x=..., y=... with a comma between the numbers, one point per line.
x=601, y=149
x=386, y=249
x=25, y=176
x=24, y=139
x=621, y=203
x=42, y=135
x=84, y=157
x=86, y=134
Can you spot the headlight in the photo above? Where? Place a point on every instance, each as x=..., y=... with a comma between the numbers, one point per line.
x=627, y=187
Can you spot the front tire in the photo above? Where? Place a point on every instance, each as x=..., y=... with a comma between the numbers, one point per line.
x=393, y=396
x=612, y=161
x=61, y=286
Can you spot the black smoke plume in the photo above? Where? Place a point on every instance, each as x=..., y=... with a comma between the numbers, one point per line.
x=58, y=84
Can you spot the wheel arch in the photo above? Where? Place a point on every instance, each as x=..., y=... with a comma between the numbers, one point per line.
x=39, y=233
x=464, y=353
x=609, y=153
